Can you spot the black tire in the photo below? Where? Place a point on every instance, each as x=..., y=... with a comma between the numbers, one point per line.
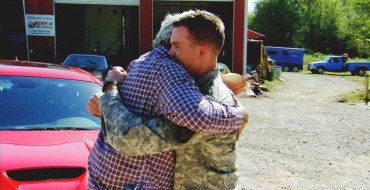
x=320, y=70
x=361, y=71
x=295, y=69
x=286, y=68
x=353, y=73
x=314, y=71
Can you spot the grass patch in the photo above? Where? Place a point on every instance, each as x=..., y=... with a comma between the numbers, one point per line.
x=353, y=97
x=270, y=83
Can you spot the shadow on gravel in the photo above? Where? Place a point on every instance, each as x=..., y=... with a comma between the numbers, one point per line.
x=339, y=74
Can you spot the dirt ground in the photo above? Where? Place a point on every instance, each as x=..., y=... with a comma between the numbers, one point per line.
x=300, y=137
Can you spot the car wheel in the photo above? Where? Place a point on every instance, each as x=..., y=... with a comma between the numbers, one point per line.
x=286, y=68
x=353, y=73
x=295, y=69
x=314, y=71
x=361, y=72
x=320, y=70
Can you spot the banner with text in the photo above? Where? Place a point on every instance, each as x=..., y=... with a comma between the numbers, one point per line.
x=40, y=25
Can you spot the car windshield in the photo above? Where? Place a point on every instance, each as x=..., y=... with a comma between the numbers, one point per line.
x=29, y=103
x=327, y=59
x=82, y=61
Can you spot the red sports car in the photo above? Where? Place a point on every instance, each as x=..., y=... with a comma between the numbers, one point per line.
x=46, y=132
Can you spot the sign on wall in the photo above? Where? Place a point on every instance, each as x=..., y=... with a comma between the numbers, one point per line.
x=40, y=25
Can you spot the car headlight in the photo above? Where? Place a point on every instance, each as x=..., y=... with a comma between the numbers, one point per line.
x=311, y=66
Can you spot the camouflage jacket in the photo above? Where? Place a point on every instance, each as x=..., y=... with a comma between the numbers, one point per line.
x=203, y=160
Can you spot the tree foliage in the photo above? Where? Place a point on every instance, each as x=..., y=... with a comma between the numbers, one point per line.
x=327, y=26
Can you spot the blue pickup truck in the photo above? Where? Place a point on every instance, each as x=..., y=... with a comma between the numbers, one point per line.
x=95, y=64
x=339, y=63
x=290, y=59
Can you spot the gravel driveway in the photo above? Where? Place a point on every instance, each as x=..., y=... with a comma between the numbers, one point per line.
x=300, y=137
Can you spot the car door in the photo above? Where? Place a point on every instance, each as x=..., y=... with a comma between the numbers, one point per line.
x=334, y=64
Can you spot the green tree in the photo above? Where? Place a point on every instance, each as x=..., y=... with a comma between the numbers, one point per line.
x=326, y=26
x=358, y=33
x=277, y=20
x=322, y=19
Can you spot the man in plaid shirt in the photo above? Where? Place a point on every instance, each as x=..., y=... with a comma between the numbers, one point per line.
x=156, y=85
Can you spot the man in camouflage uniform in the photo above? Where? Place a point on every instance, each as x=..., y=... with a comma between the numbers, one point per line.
x=203, y=161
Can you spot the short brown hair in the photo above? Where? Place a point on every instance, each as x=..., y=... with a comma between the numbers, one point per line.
x=204, y=27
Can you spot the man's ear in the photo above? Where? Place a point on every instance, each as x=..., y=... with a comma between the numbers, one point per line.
x=203, y=50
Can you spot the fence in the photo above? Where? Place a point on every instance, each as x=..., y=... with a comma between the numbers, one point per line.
x=366, y=91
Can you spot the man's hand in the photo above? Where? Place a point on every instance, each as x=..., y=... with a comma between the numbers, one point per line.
x=116, y=74
x=246, y=115
x=114, y=78
x=235, y=82
x=93, y=105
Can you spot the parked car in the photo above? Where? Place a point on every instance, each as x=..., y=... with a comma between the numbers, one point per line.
x=95, y=64
x=338, y=63
x=290, y=59
x=45, y=129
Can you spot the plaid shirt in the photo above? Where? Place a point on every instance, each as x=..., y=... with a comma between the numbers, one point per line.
x=157, y=86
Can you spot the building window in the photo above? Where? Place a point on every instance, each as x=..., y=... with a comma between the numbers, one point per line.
x=271, y=52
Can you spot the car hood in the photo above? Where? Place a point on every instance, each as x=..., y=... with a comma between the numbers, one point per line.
x=316, y=62
x=51, y=152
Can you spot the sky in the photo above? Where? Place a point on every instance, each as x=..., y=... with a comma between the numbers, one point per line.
x=251, y=5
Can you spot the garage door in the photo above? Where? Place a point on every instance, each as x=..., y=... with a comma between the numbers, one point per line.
x=99, y=2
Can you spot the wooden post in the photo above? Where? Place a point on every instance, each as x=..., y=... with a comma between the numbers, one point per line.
x=146, y=25
x=238, y=37
x=40, y=46
x=366, y=93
